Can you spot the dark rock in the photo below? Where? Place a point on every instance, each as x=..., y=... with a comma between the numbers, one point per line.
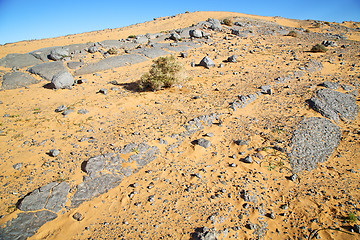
x=48, y=70
x=356, y=228
x=266, y=89
x=62, y=80
x=314, y=141
x=83, y=111
x=248, y=159
x=67, y=112
x=214, y=24
x=16, y=60
x=52, y=196
x=232, y=58
x=93, y=49
x=17, y=80
x=174, y=36
x=203, y=143
x=25, y=225
x=103, y=91
x=207, y=62
x=184, y=54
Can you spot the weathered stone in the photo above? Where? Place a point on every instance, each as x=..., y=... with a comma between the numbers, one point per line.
x=313, y=142
x=141, y=39
x=332, y=104
x=62, y=80
x=52, y=196
x=203, y=143
x=174, y=36
x=95, y=187
x=111, y=62
x=207, y=62
x=17, y=80
x=48, y=70
x=75, y=65
x=196, y=33
x=214, y=24
x=151, y=52
x=95, y=165
x=58, y=54
x=331, y=85
x=205, y=234
x=93, y=49
x=232, y=58
x=25, y=225
x=266, y=89
x=14, y=60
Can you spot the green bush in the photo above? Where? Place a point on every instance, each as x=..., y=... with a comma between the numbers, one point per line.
x=164, y=73
x=318, y=48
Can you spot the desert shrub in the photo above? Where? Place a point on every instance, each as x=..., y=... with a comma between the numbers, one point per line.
x=318, y=48
x=165, y=72
x=293, y=34
x=187, y=12
x=228, y=22
x=317, y=25
x=131, y=36
x=112, y=51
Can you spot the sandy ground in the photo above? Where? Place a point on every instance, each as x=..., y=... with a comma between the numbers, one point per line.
x=183, y=200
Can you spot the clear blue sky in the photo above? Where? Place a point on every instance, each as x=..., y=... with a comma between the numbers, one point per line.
x=36, y=19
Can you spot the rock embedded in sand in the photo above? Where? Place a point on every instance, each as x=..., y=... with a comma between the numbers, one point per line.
x=313, y=142
x=48, y=70
x=19, y=60
x=62, y=80
x=17, y=80
x=207, y=62
x=58, y=54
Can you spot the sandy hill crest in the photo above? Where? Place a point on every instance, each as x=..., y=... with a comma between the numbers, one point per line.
x=261, y=143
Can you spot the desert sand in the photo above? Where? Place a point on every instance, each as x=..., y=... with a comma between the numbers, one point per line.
x=190, y=187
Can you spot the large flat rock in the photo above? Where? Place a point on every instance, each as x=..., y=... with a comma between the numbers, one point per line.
x=48, y=70
x=151, y=52
x=19, y=60
x=313, y=142
x=25, y=225
x=17, y=80
x=111, y=62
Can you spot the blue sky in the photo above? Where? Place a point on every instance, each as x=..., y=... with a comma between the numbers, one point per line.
x=36, y=19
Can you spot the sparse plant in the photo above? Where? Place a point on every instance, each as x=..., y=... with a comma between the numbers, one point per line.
x=112, y=51
x=317, y=25
x=228, y=22
x=164, y=73
x=293, y=34
x=132, y=36
x=318, y=48
x=351, y=217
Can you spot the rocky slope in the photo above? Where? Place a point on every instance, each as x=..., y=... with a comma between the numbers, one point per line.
x=262, y=143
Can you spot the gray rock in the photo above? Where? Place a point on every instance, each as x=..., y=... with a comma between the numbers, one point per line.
x=203, y=143
x=52, y=196
x=248, y=159
x=207, y=62
x=214, y=24
x=48, y=70
x=184, y=54
x=151, y=52
x=331, y=85
x=174, y=36
x=196, y=33
x=95, y=187
x=62, y=80
x=313, y=66
x=332, y=103
x=67, y=112
x=95, y=165
x=232, y=58
x=83, y=111
x=14, y=60
x=205, y=234
x=313, y=142
x=58, y=54
x=61, y=108
x=266, y=89
x=17, y=80
x=111, y=62
x=75, y=65
x=347, y=87
x=17, y=166
x=54, y=152
x=93, y=49
x=141, y=39
x=25, y=225
x=328, y=43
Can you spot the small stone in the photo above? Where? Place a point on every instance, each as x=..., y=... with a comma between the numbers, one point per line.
x=78, y=217
x=61, y=108
x=54, y=152
x=204, y=143
x=184, y=54
x=103, y=91
x=232, y=58
x=17, y=166
x=67, y=112
x=248, y=159
x=293, y=177
x=83, y=111
x=232, y=165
